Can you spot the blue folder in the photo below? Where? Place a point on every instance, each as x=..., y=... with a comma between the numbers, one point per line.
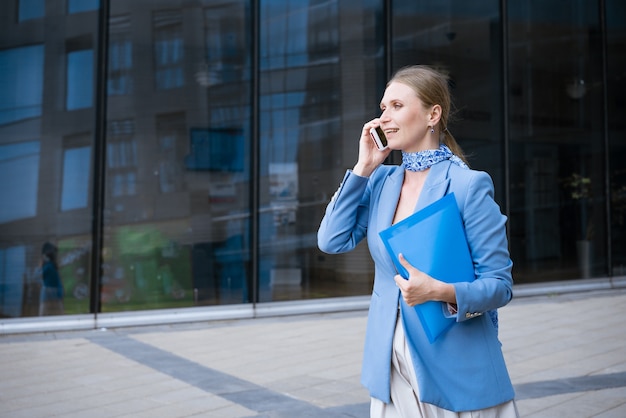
x=433, y=240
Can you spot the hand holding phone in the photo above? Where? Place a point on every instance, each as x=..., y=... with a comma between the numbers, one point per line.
x=379, y=138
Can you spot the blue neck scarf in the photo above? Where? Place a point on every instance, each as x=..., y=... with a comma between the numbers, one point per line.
x=423, y=160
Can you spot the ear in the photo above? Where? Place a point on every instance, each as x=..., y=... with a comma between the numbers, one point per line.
x=435, y=114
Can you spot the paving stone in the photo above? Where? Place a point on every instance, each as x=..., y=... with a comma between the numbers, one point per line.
x=566, y=356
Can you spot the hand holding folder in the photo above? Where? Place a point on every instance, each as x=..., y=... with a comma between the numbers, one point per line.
x=432, y=240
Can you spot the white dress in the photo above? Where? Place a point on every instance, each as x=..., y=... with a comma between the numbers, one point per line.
x=405, y=401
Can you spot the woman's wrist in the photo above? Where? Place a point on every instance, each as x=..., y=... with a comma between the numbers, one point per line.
x=361, y=170
x=445, y=292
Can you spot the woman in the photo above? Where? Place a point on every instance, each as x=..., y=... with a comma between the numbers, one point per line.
x=51, y=301
x=464, y=369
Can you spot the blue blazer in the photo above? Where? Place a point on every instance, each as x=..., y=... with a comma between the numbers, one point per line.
x=464, y=369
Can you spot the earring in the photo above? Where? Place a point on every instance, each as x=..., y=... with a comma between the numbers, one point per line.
x=432, y=130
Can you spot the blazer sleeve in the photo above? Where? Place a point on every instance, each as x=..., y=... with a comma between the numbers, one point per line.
x=486, y=236
x=344, y=223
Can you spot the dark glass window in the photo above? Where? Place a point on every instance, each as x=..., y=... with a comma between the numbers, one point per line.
x=77, y=6
x=120, y=80
x=21, y=83
x=13, y=272
x=79, y=80
x=45, y=155
x=317, y=89
x=172, y=138
x=616, y=100
x=122, y=158
x=20, y=163
x=76, y=179
x=557, y=155
x=461, y=39
x=176, y=228
x=31, y=9
x=182, y=122
x=168, y=49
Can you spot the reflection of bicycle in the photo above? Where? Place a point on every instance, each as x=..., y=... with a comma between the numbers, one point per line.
x=178, y=293
x=81, y=291
x=119, y=294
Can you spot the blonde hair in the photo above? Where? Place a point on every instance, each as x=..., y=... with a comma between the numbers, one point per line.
x=431, y=87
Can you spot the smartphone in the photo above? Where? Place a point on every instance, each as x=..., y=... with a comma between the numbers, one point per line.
x=379, y=138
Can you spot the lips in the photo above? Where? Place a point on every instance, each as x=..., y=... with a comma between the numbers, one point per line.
x=390, y=131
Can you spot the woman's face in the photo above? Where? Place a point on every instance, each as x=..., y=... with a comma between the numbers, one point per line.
x=405, y=120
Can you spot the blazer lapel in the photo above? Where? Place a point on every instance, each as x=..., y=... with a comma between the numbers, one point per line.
x=389, y=196
x=385, y=211
x=435, y=186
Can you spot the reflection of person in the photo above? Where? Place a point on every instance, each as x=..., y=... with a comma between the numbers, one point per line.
x=464, y=369
x=51, y=300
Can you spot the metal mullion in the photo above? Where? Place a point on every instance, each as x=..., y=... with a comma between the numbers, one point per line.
x=99, y=160
x=506, y=135
x=605, y=129
x=255, y=152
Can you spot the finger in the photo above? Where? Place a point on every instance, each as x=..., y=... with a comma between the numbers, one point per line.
x=374, y=123
x=400, y=281
x=369, y=125
x=405, y=263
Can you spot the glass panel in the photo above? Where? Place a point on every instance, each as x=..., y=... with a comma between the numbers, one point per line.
x=12, y=273
x=168, y=49
x=21, y=83
x=120, y=68
x=46, y=154
x=616, y=89
x=461, y=39
x=318, y=86
x=31, y=9
x=79, y=79
x=557, y=154
x=77, y=6
x=176, y=216
x=20, y=163
x=75, y=191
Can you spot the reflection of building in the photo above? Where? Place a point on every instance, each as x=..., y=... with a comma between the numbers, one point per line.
x=223, y=145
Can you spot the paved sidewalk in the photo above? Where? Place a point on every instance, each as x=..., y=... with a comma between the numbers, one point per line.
x=566, y=355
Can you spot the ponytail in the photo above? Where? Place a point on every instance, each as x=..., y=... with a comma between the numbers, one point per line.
x=448, y=140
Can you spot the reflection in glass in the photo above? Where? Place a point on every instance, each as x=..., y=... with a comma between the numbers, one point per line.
x=616, y=94
x=45, y=156
x=80, y=72
x=12, y=274
x=557, y=159
x=20, y=163
x=52, y=292
x=21, y=83
x=122, y=158
x=462, y=39
x=216, y=150
x=168, y=49
x=120, y=67
x=75, y=186
x=317, y=90
x=176, y=228
x=31, y=9
x=77, y=6
x=172, y=141
x=179, y=123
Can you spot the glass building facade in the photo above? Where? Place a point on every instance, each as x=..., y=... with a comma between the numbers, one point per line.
x=180, y=153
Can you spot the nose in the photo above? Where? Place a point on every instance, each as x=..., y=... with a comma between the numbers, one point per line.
x=384, y=116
